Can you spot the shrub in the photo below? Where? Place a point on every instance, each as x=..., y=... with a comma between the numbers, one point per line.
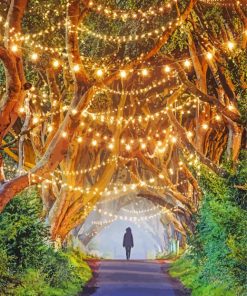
x=29, y=265
x=217, y=258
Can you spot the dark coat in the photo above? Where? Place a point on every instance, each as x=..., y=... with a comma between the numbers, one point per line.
x=128, y=239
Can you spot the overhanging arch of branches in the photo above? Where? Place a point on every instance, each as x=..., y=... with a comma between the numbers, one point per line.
x=83, y=110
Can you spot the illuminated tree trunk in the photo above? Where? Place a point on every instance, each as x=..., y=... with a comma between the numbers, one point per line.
x=150, y=129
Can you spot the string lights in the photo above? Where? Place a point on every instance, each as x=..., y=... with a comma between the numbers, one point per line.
x=117, y=188
x=58, y=60
x=126, y=218
x=127, y=38
x=141, y=118
x=134, y=219
x=123, y=74
x=140, y=212
x=222, y=2
x=127, y=15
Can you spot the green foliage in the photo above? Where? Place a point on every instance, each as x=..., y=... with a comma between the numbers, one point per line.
x=170, y=256
x=7, y=279
x=21, y=230
x=217, y=258
x=33, y=283
x=29, y=265
x=188, y=272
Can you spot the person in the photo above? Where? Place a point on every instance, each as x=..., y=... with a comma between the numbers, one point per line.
x=128, y=242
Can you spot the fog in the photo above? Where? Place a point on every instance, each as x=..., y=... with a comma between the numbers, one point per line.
x=109, y=242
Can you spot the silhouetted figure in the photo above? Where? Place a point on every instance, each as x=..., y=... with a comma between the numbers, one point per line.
x=128, y=242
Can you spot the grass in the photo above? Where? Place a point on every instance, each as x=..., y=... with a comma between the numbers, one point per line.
x=34, y=282
x=170, y=256
x=189, y=275
x=78, y=260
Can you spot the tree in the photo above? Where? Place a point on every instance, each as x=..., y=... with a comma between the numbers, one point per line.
x=149, y=104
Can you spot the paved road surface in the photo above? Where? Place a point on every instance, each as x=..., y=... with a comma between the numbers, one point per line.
x=133, y=278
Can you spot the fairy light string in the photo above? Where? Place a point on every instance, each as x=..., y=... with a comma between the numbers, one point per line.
x=136, y=218
x=103, y=117
x=140, y=14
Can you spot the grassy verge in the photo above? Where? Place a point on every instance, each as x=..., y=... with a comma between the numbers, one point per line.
x=189, y=275
x=170, y=256
x=33, y=282
x=77, y=259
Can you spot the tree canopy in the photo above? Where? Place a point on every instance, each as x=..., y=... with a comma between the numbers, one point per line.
x=105, y=98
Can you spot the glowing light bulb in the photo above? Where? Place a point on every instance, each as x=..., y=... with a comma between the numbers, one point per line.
x=55, y=63
x=74, y=111
x=79, y=139
x=22, y=110
x=34, y=57
x=205, y=126
x=167, y=69
x=161, y=176
x=35, y=120
x=171, y=171
x=123, y=74
x=230, y=45
x=50, y=128
x=174, y=139
x=189, y=134
x=128, y=147
x=209, y=55
x=143, y=146
x=94, y=142
x=187, y=63
x=218, y=117
x=76, y=68
x=111, y=146
x=14, y=48
x=99, y=73
x=133, y=186
x=230, y=107
x=144, y=72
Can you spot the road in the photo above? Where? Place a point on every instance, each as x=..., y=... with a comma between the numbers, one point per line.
x=133, y=278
